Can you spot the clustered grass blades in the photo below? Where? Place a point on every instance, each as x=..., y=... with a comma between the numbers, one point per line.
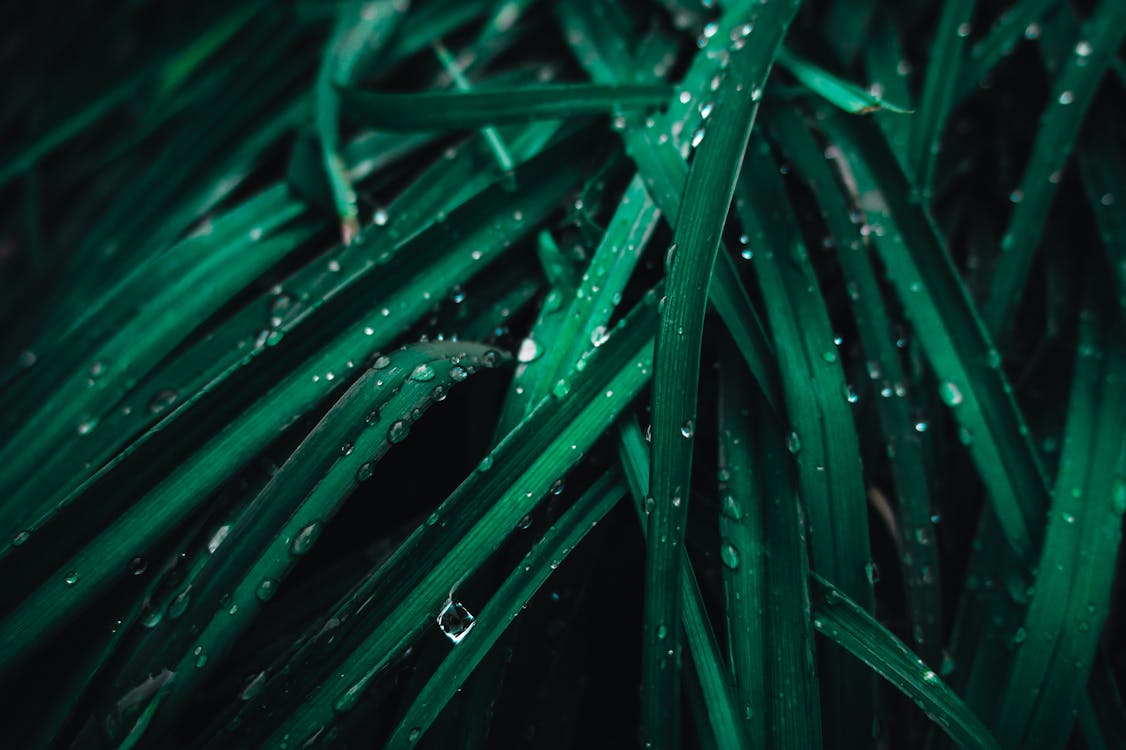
x=333, y=333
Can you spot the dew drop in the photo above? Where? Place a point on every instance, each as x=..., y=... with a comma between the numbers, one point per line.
x=529, y=351
x=367, y=468
x=423, y=373
x=793, y=442
x=951, y=395
x=379, y=218
x=686, y=429
x=729, y=555
x=1067, y=97
x=71, y=578
x=21, y=538
x=455, y=621
x=398, y=431
x=486, y=463
x=305, y=538
x=179, y=604
x=266, y=589
x=872, y=572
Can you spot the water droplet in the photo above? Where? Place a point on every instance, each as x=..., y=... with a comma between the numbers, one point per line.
x=398, y=431
x=829, y=356
x=490, y=358
x=729, y=555
x=1016, y=196
x=365, y=471
x=1067, y=97
x=730, y=507
x=930, y=676
x=685, y=97
x=686, y=428
x=599, y=336
x=414, y=734
x=561, y=388
x=1068, y=518
x=872, y=572
x=1083, y=48
x=180, y=603
x=697, y=137
x=921, y=426
x=756, y=93
x=662, y=632
x=423, y=373
x=1032, y=31
x=71, y=578
x=137, y=566
x=86, y=426
x=486, y=463
x=950, y=394
x=529, y=351
x=793, y=442
x=558, y=487
x=455, y=621
x=266, y=589
x=379, y=218
x=964, y=29
x=305, y=538
x=706, y=110
x=850, y=394
x=21, y=538
x=381, y=362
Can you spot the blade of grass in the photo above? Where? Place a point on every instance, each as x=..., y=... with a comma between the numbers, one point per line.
x=476, y=518
x=504, y=606
x=719, y=697
x=765, y=571
x=846, y=623
x=937, y=98
x=1071, y=95
x=840, y=93
x=463, y=110
x=696, y=238
x=822, y=435
x=877, y=339
x=656, y=154
x=338, y=454
x=488, y=230
x=361, y=32
x=953, y=338
x=1077, y=565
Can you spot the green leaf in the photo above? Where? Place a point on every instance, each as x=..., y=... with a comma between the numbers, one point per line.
x=504, y=606
x=1072, y=92
x=841, y=94
x=845, y=623
x=1077, y=565
x=699, y=226
x=473, y=109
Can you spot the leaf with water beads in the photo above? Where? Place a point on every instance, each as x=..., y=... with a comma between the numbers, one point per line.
x=844, y=622
x=287, y=515
x=847, y=96
x=495, y=106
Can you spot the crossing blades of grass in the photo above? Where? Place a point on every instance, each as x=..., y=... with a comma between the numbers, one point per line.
x=717, y=693
x=844, y=622
x=822, y=435
x=885, y=372
x=937, y=97
x=504, y=606
x=473, y=109
x=842, y=94
x=762, y=548
x=411, y=587
x=1071, y=95
x=287, y=516
x=1076, y=569
x=955, y=342
x=361, y=32
x=1102, y=169
x=888, y=70
x=658, y=149
x=483, y=236
x=1011, y=26
x=691, y=258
